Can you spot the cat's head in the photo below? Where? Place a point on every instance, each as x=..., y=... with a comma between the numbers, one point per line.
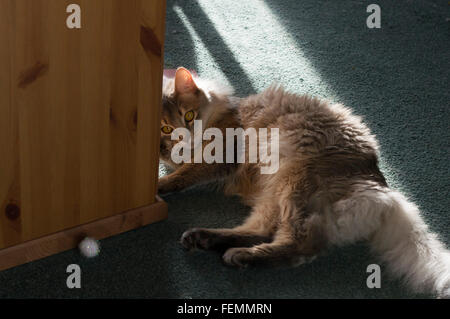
x=185, y=99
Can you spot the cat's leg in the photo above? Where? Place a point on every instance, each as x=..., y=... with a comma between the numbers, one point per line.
x=291, y=246
x=300, y=234
x=257, y=229
x=190, y=174
x=220, y=239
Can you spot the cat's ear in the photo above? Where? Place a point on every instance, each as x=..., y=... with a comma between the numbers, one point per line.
x=184, y=82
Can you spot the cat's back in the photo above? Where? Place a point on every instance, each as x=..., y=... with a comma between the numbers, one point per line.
x=265, y=108
x=306, y=123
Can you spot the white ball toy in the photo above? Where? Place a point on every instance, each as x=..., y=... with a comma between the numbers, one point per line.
x=89, y=247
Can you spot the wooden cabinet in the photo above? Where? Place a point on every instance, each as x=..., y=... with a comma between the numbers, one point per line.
x=79, y=122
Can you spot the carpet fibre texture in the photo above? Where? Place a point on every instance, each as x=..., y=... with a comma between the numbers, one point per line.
x=397, y=77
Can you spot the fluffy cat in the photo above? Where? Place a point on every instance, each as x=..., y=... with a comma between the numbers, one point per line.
x=328, y=189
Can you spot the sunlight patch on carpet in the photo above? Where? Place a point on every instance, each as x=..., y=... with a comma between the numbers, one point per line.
x=263, y=46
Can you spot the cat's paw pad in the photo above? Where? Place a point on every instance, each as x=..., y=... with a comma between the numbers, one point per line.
x=195, y=238
x=238, y=257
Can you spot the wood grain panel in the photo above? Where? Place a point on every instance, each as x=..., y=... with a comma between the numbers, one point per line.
x=70, y=238
x=79, y=112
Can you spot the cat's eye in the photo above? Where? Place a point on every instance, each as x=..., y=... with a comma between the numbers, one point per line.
x=166, y=129
x=189, y=116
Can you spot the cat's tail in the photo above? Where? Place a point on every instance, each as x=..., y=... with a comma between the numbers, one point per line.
x=410, y=250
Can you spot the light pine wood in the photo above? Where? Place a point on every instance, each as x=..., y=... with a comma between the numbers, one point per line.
x=70, y=238
x=79, y=112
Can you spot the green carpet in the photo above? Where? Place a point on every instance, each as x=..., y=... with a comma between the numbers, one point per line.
x=397, y=77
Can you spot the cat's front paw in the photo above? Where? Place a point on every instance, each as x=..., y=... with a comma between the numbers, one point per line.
x=168, y=184
x=196, y=238
x=238, y=257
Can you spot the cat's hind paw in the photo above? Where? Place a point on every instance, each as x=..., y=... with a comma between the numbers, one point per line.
x=196, y=238
x=238, y=257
